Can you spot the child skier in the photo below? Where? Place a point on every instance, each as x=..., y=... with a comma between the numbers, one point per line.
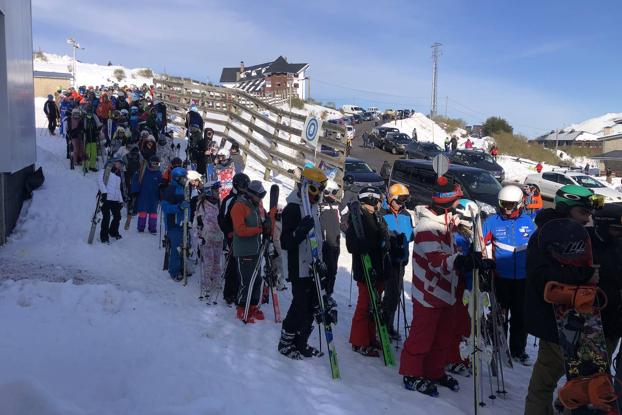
x=146, y=194
x=331, y=235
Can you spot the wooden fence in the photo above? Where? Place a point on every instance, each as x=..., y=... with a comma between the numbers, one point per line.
x=270, y=135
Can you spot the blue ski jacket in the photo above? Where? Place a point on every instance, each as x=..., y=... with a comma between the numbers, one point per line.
x=509, y=239
x=172, y=198
x=148, y=190
x=400, y=223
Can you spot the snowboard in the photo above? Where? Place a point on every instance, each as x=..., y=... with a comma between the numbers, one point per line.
x=95, y=219
x=381, y=327
x=579, y=324
x=225, y=177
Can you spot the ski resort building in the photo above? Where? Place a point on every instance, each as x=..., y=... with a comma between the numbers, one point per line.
x=47, y=82
x=271, y=79
x=17, y=118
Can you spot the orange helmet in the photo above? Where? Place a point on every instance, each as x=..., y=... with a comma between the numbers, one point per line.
x=398, y=191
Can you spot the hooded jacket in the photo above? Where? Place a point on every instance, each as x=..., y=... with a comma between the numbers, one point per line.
x=299, y=256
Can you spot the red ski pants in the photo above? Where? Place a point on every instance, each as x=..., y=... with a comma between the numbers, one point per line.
x=429, y=340
x=462, y=328
x=363, y=331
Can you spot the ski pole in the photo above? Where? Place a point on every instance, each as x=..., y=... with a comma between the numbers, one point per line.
x=351, y=279
x=492, y=396
x=403, y=301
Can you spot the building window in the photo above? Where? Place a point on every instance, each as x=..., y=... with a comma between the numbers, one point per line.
x=296, y=85
x=278, y=84
x=268, y=84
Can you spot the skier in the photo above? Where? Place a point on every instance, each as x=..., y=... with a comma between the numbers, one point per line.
x=146, y=195
x=195, y=151
x=331, y=236
x=166, y=176
x=52, y=113
x=193, y=118
x=104, y=112
x=376, y=245
x=232, y=279
x=225, y=170
x=454, y=142
x=209, y=239
x=75, y=133
x=173, y=206
x=236, y=157
x=148, y=147
x=576, y=203
x=400, y=226
x=249, y=223
x=112, y=194
x=92, y=126
x=385, y=173
x=507, y=234
x=298, y=324
x=437, y=269
x=539, y=167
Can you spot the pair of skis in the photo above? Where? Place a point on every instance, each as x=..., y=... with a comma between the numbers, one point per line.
x=368, y=270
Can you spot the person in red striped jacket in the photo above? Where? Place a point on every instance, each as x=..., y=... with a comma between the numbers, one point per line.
x=437, y=268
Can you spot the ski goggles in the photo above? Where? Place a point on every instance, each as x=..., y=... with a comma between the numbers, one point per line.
x=401, y=199
x=315, y=188
x=331, y=192
x=507, y=205
x=154, y=163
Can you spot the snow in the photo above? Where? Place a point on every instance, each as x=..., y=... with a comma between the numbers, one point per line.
x=97, y=329
x=427, y=130
x=597, y=125
x=90, y=73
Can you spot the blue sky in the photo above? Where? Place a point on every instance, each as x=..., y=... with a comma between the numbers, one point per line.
x=540, y=64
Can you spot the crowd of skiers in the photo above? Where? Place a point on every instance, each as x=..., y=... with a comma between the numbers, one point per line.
x=214, y=217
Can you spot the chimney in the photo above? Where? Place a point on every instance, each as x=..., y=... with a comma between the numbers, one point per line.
x=241, y=66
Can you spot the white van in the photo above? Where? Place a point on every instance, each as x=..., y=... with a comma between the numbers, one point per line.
x=373, y=109
x=352, y=109
x=349, y=132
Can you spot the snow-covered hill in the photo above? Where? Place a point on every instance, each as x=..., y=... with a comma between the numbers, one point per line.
x=598, y=125
x=91, y=73
x=98, y=329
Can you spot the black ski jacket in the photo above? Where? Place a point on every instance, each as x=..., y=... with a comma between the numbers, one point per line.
x=224, y=214
x=375, y=243
x=541, y=268
x=607, y=254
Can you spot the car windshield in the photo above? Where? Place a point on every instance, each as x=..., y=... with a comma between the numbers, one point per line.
x=589, y=182
x=358, y=167
x=401, y=139
x=479, y=156
x=480, y=183
x=431, y=147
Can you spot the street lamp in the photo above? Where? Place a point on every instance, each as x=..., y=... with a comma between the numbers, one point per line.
x=75, y=45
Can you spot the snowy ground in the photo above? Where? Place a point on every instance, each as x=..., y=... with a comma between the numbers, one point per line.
x=97, y=329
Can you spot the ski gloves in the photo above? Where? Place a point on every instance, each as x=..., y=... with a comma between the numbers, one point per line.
x=466, y=263
x=266, y=226
x=305, y=225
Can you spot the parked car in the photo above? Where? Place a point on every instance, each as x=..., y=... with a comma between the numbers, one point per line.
x=358, y=118
x=478, y=158
x=420, y=178
x=407, y=113
x=422, y=150
x=358, y=174
x=368, y=116
x=399, y=114
x=349, y=132
x=352, y=109
x=378, y=134
x=373, y=110
x=550, y=182
x=396, y=142
x=329, y=151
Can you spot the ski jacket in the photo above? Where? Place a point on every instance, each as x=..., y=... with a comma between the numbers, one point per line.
x=247, y=219
x=194, y=118
x=172, y=198
x=148, y=189
x=238, y=162
x=435, y=280
x=299, y=257
x=205, y=223
x=114, y=187
x=50, y=109
x=607, y=254
x=75, y=129
x=542, y=268
x=224, y=214
x=329, y=219
x=104, y=109
x=399, y=223
x=91, y=128
x=506, y=241
x=375, y=243
x=385, y=171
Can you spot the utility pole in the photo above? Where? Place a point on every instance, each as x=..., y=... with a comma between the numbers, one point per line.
x=446, y=99
x=435, y=55
x=75, y=45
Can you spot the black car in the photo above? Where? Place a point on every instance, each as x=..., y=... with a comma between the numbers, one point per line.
x=329, y=151
x=379, y=133
x=422, y=150
x=479, y=159
x=420, y=178
x=368, y=116
x=358, y=174
x=358, y=118
x=407, y=113
x=396, y=143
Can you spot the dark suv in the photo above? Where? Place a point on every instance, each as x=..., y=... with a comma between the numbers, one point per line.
x=379, y=133
x=396, y=142
x=419, y=176
x=358, y=174
x=479, y=159
x=422, y=150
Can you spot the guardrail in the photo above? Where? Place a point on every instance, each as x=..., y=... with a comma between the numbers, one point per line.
x=269, y=134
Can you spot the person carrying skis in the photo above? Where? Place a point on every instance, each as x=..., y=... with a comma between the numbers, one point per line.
x=298, y=324
x=376, y=245
x=249, y=223
x=232, y=279
x=331, y=236
x=166, y=176
x=146, y=194
x=92, y=127
x=104, y=112
x=507, y=234
x=112, y=195
x=400, y=227
x=51, y=112
x=173, y=206
x=437, y=269
x=209, y=238
x=75, y=133
x=576, y=203
x=193, y=118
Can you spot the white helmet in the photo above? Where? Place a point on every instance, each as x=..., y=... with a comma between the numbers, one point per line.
x=511, y=200
x=465, y=207
x=194, y=175
x=224, y=152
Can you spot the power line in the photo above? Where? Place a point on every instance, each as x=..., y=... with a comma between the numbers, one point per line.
x=435, y=55
x=368, y=91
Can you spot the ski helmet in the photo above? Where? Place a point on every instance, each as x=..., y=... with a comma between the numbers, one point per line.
x=240, y=181
x=466, y=208
x=315, y=181
x=571, y=195
x=610, y=216
x=446, y=193
x=567, y=241
x=194, y=175
x=154, y=161
x=331, y=190
x=194, y=108
x=399, y=193
x=176, y=162
x=123, y=112
x=224, y=152
x=256, y=188
x=178, y=173
x=511, y=201
x=370, y=195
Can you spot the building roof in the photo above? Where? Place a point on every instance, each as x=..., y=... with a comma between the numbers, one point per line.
x=610, y=155
x=559, y=136
x=53, y=75
x=279, y=65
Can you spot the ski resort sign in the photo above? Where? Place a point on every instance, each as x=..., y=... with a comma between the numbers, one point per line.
x=311, y=131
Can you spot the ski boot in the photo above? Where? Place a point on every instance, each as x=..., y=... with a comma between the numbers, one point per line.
x=301, y=341
x=287, y=346
x=239, y=311
x=256, y=312
x=448, y=381
x=368, y=351
x=523, y=359
x=462, y=369
x=421, y=385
